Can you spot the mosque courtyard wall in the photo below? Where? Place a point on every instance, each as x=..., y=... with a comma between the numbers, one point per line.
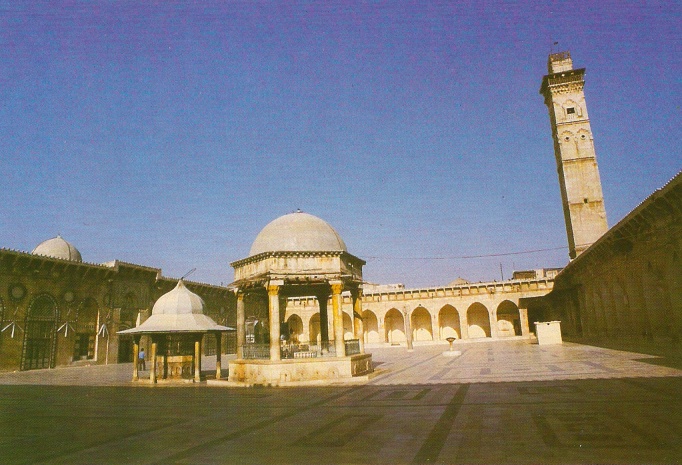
x=629, y=282
x=493, y=310
x=60, y=312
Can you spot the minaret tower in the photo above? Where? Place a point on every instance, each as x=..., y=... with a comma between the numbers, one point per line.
x=576, y=161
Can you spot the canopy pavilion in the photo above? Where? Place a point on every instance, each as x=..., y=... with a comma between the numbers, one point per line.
x=297, y=255
x=176, y=327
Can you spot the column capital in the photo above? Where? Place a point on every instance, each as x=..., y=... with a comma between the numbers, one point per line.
x=337, y=287
x=273, y=290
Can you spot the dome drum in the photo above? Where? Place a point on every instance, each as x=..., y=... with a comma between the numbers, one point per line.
x=325, y=264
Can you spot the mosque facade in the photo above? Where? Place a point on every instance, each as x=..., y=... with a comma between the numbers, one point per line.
x=300, y=287
x=56, y=310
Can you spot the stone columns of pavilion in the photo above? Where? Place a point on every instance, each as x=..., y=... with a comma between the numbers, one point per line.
x=197, y=359
x=136, y=358
x=241, y=325
x=357, y=319
x=273, y=305
x=322, y=300
x=152, y=361
x=218, y=355
x=339, y=344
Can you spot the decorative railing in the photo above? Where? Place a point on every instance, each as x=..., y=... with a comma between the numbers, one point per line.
x=300, y=351
x=352, y=347
x=257, y=351
x=326, y=349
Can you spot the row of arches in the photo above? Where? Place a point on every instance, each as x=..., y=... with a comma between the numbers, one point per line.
x=476, y=322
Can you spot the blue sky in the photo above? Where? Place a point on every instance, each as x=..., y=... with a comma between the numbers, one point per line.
x=168, y=134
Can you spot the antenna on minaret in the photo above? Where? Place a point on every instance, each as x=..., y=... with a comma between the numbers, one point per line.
x=188, y=273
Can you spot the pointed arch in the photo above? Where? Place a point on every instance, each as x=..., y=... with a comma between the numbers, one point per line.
x=347, y=327
x=295, y=324
x=479, y=321
x=86, y=330
x=420, y=321
x=508, y=319
x=371, y=327
x=40, y=338
x=394, y=325
x=314, y=329
x=448, y=322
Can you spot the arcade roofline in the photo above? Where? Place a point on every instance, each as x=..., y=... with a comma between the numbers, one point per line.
x=490, y=286
x=10, y=257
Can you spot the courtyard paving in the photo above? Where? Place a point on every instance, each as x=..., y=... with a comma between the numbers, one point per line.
x=499, y=402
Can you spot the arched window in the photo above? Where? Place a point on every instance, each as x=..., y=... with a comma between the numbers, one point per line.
x=40, y=333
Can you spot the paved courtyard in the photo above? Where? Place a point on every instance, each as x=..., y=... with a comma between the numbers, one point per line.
x=499, y=402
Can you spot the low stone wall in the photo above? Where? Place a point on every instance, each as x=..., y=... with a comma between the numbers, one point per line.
x=298, y=370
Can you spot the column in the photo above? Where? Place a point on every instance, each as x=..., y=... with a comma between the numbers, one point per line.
x=408, y=329
x=492, y=316
x=241, y=325
x=152, y=360
x=381, y=327
x=197, y=359
x=523, y=316
x=97, y=326
x=136, y=357
x=337, y=288
x=218, y=355
x=322, y=300
x=273, y=304
x=357, y=317
x=435, y=328
x=464, y=324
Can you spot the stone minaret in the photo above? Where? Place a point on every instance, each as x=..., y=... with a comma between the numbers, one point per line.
x=576, y=161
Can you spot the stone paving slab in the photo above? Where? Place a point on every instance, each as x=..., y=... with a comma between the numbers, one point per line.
x=619, y=409
x=511, y=361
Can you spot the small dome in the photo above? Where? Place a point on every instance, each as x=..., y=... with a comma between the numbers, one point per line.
x=58, y=248
x=297, y=232
x=179, y=301
x=458, y=282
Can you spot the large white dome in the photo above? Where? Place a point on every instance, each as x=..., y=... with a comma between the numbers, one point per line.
x=58, y=248
x=298, y=232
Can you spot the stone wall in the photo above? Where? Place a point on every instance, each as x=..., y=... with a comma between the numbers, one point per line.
x=57, y=312
x=629, y=282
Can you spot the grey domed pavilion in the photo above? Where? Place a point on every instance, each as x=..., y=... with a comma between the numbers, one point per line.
x=299, y=255
x=176, y=326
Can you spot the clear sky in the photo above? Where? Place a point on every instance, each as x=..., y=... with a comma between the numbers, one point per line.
x=168, y=134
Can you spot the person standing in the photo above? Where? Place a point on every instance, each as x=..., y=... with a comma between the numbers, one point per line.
x=140, y=361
